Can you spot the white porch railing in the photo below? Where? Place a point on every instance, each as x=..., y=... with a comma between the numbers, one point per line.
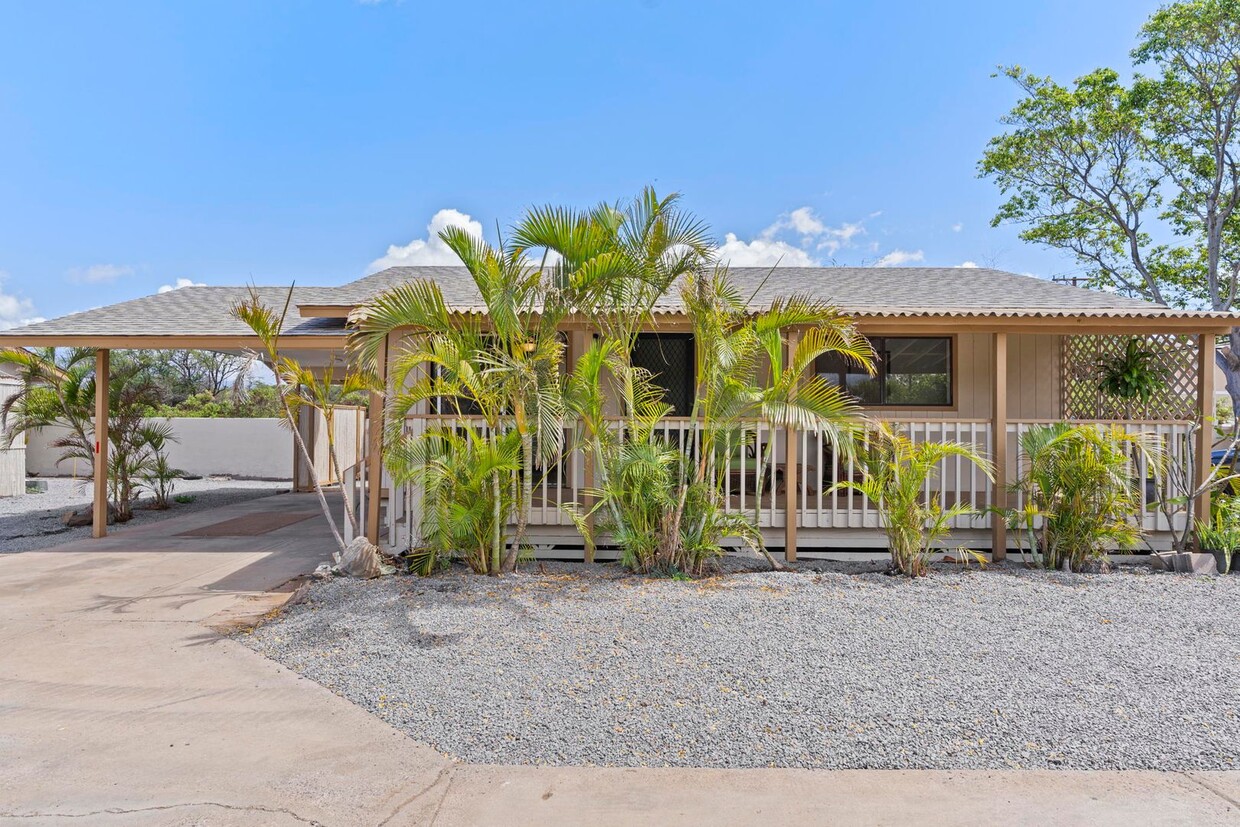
x=1175, y=438
x=958, y=480
x=761, y=458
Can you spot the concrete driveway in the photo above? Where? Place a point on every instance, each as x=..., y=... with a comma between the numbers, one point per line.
x=119, y=705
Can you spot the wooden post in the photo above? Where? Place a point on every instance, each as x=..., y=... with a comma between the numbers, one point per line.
x=99, y=524
x=792, y=440
x=998, y=451
x=374, y=450
x=577, y=343
x=1205, y=412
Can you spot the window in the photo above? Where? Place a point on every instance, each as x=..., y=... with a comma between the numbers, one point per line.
x=671, y=359
x=909, y=371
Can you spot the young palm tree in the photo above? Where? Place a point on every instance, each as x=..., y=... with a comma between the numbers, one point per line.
x=734, y=343
x=59, y=390
x=896, y=475
x=1080, y=491
x=508, y=371
x=56, y=390
x=323, y=393
x=267, y=325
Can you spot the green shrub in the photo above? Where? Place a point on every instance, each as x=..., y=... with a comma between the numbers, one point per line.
x=1081, y=493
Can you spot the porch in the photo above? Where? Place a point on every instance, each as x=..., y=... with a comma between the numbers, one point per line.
x=999, y=383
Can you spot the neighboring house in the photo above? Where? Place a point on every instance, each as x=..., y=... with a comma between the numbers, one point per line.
x=966, y=354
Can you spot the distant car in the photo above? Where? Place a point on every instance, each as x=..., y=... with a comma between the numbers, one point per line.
x=1222, y=456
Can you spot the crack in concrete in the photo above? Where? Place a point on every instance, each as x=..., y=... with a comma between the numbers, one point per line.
x=255, y=808
x=1210, y=788
x=445, y=770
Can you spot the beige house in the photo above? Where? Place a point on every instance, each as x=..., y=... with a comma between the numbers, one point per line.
x=966, y=354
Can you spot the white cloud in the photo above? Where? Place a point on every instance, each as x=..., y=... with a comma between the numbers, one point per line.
x=897, y=257
x=968, y=265
x=15, y=311
x=813, y=230
x=773, y=244
x=429, y=250
x=99, y=273
x=761, y=252
x=957, y=227
x=168, y=288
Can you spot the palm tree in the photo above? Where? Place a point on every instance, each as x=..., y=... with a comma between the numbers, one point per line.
x=507, y=371
x=1081, y=494
x=56, y=389
x=896, y=474
x=734, y=344
x=268, y=324
x=60, y=390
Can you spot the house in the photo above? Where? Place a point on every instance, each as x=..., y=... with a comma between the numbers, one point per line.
x=966, y=354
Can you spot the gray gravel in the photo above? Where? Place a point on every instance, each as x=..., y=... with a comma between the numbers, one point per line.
x=32, y=521
x=583, y=665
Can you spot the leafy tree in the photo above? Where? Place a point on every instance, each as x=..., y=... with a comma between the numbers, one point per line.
x=184, y=373
x=1139, y=181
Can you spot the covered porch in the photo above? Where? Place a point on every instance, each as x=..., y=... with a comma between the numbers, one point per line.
x=1003, y=382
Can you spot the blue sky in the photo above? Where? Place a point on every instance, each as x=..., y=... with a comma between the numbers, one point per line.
x=146, y=144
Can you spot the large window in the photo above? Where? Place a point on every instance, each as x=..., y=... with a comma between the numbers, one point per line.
x=910, y=371
x=670, y=358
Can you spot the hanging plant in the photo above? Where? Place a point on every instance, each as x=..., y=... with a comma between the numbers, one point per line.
x=1133, y=374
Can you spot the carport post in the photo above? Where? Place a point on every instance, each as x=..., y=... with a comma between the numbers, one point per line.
x=99, y=521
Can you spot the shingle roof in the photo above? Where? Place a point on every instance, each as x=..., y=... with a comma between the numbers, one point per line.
x=861, y=291
x=187, y=312
x=203, y=313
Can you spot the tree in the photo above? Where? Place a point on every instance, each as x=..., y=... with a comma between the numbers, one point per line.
x=663, y=500
x=508, y=373
x=1139, y=181
x=184, y=373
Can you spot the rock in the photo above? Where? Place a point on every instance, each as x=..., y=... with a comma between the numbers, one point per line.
x=361, y=559
x=86, y=516
x=323, y=571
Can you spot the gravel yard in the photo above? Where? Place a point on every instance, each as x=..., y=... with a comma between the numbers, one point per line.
x=584, y=665
x=32, y=521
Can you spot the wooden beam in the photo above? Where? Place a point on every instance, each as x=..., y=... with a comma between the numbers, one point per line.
x=792, y=441
x=998, y=451
x=374, y=450
x=103, y=373
x=1205, y=413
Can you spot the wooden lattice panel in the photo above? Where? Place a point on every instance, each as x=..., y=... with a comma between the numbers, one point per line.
x=1175, y=357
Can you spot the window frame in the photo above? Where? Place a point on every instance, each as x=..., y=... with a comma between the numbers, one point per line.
x=952, y=374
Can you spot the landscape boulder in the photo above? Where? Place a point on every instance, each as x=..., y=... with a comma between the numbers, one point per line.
x=85, y=516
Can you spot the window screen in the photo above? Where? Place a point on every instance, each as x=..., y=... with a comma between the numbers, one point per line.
x=670, y=358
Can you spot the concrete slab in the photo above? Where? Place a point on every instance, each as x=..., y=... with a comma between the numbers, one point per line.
x=674, y=797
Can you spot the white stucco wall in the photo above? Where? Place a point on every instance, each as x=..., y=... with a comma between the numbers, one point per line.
x=256, y=448
x=12, y=460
